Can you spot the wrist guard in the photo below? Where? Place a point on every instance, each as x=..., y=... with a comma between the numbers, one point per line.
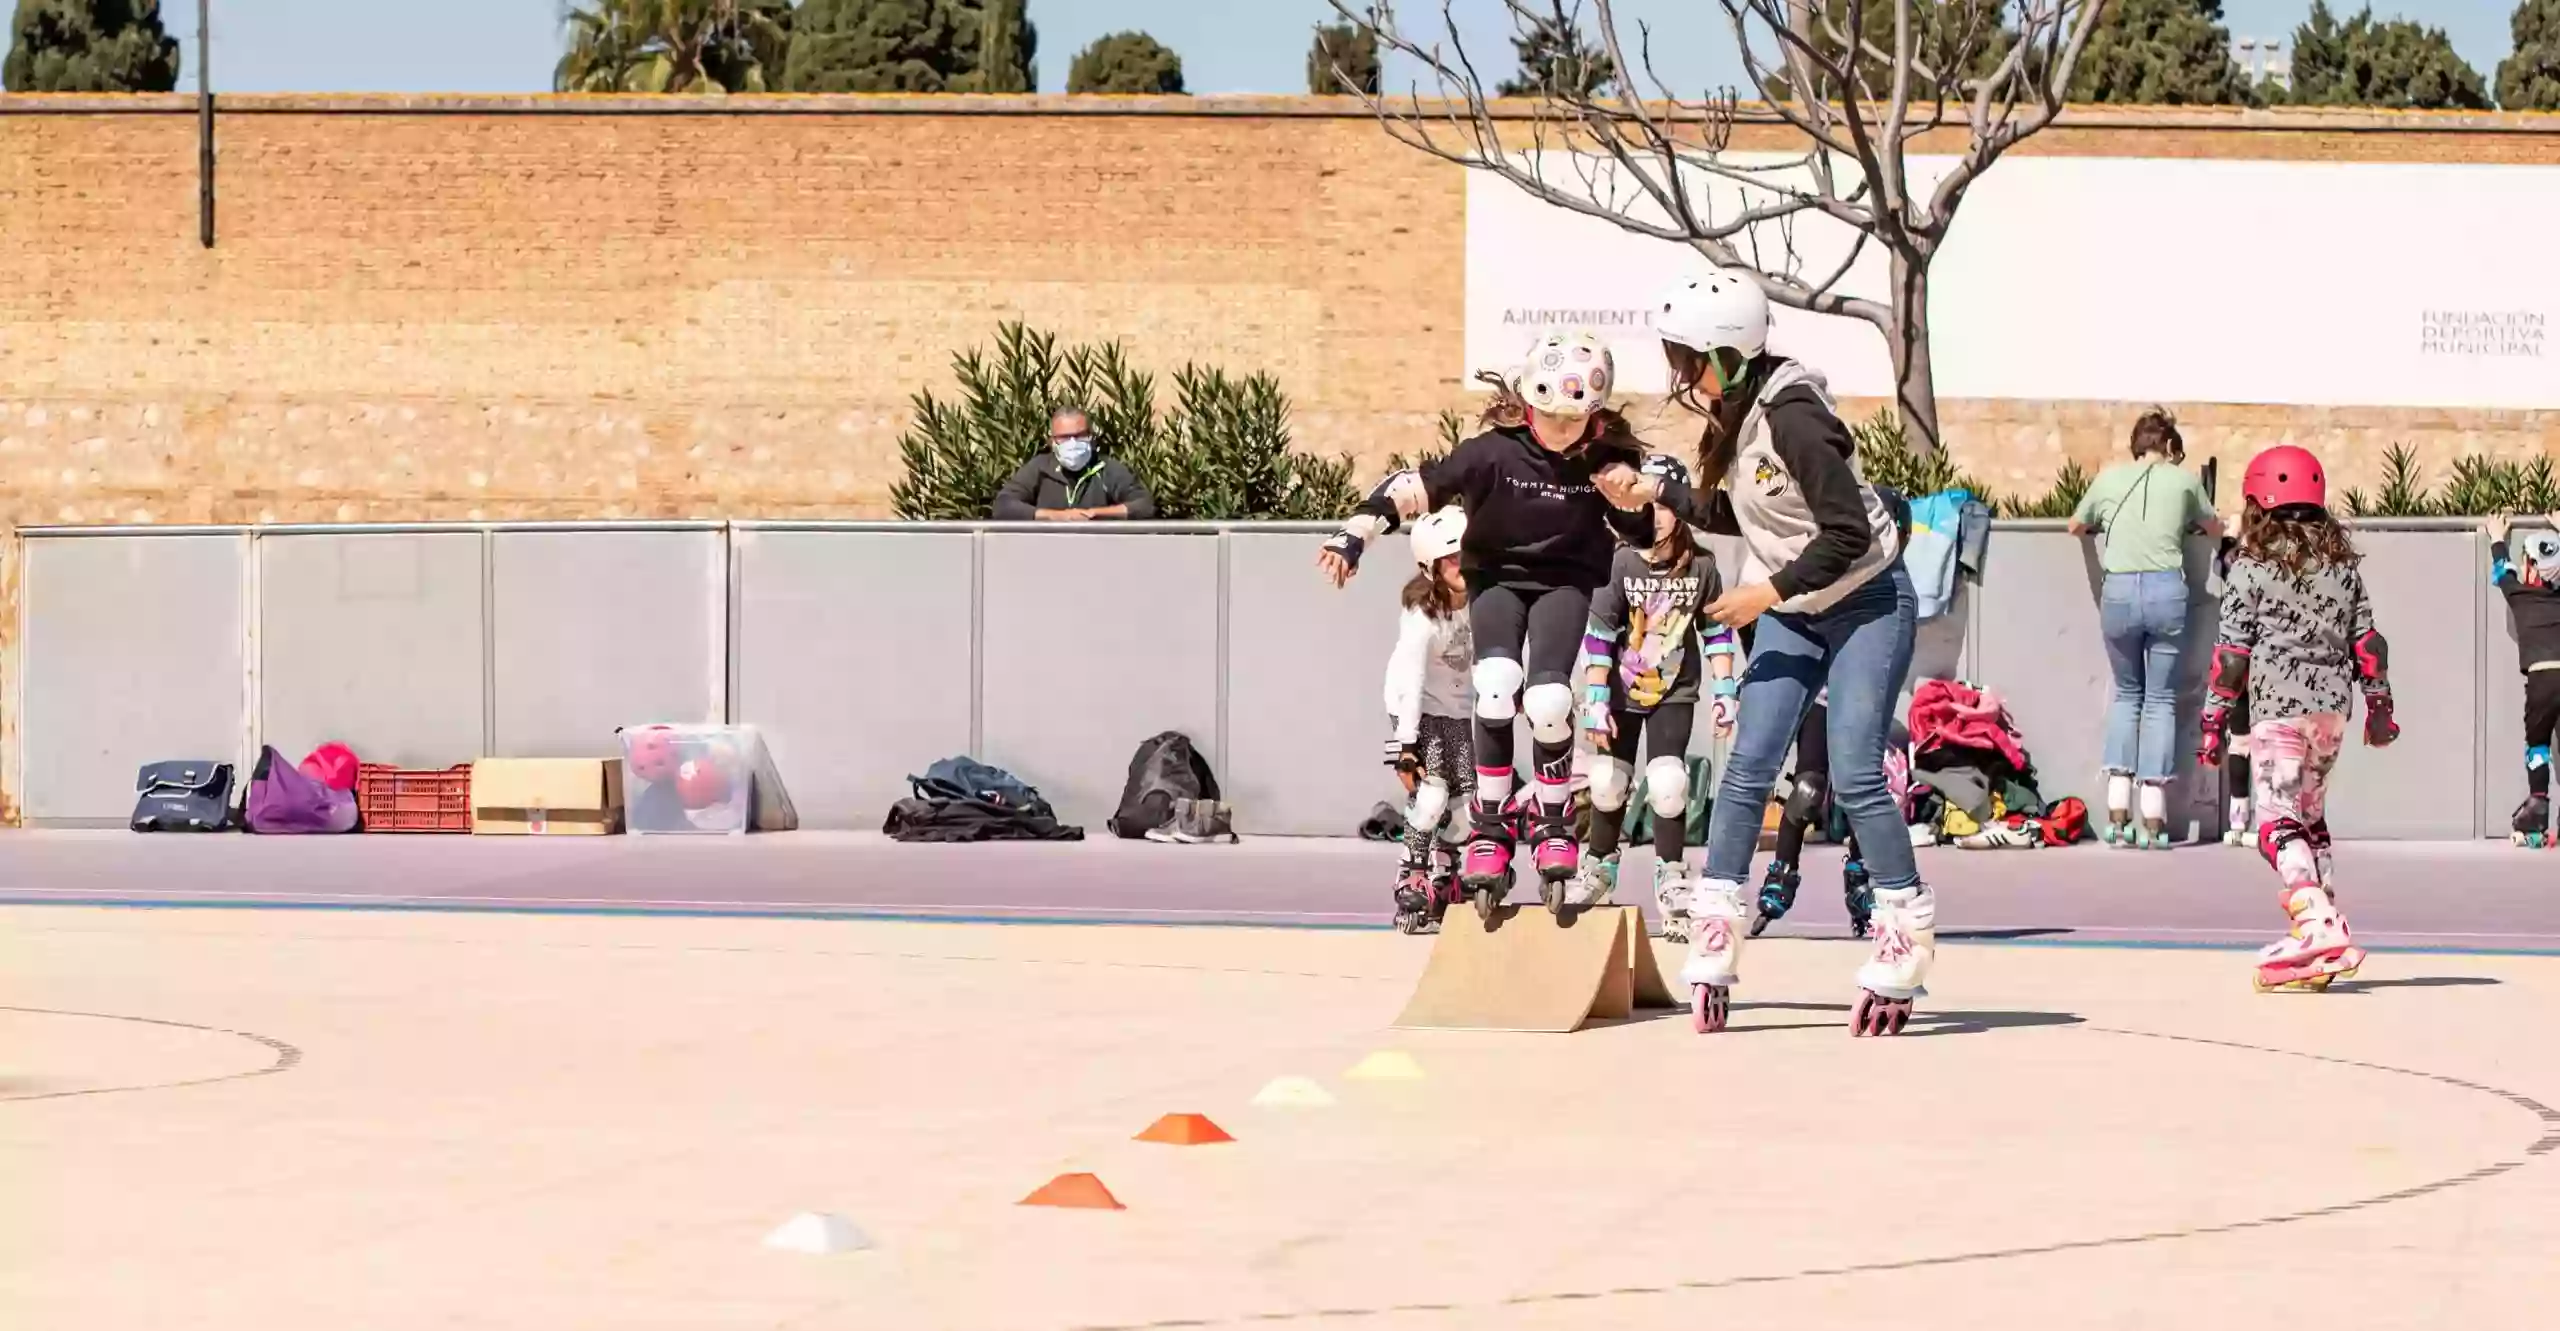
x=1348, y=545
x=1595, y=706
x=2225, y=682
x=1724, y=686
x=2380, y=727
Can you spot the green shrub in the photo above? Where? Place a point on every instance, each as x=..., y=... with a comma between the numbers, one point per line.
x=1453, y=432
x=1887, y=458
x=2069, y=484
x=1221, y=453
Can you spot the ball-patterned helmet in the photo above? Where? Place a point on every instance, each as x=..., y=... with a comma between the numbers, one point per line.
x=1568, y=373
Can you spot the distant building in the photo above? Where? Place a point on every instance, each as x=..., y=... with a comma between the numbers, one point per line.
x=2263, y=60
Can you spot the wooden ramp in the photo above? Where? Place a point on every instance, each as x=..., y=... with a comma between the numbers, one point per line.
x=1531, y=971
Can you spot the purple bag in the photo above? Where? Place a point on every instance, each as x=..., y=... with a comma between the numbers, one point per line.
x=283, y=799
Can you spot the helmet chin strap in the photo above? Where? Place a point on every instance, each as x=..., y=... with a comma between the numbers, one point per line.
x=1727, y=379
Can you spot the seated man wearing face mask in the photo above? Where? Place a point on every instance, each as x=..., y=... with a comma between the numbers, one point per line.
x=1071, y=483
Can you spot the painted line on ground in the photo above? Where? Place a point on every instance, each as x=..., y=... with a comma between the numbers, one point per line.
x=2205, y=940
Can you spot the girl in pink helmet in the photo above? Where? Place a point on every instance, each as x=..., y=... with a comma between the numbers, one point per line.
x=2298, y=643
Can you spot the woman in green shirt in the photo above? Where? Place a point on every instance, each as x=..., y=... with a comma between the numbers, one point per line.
x=2146, y=507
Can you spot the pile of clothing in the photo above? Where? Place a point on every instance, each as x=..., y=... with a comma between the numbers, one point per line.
x=1972, y=781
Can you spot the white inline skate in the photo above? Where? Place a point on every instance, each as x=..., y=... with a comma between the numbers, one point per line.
x=1906, y=945
x=1596, y=881
x=1718, y=921
x=2317, y=950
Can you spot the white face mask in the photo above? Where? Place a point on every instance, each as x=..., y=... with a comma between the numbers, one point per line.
x=1074, y=451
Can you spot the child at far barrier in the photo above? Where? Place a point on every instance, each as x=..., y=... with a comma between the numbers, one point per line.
x=2298, y=640
x=2237, y=827
x=1640, y=684
x=1432, y=703
x=2528, y=571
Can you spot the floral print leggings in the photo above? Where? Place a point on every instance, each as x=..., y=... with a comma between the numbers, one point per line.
x=2290, y=760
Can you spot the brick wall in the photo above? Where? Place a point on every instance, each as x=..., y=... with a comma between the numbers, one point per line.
x=540, y=307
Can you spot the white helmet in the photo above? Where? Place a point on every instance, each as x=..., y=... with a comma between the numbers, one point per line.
x=1568, y=373
x=1719, y=310
x=1436, y=536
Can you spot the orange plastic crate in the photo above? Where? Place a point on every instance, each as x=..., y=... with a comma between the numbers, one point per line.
x=395, y=800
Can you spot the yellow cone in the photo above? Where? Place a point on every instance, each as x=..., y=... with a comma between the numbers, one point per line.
x=1386, y=1065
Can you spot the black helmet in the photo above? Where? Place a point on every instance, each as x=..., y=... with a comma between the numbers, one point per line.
x=1663, y=466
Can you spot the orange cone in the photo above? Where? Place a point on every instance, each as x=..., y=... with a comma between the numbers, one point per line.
x=1184, y=1130
x=1082, y=1191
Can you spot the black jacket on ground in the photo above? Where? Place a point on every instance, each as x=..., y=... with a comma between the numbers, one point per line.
x=1534, y=517
x=1042, y=484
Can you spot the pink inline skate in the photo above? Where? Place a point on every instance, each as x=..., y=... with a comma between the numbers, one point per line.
x=2317, y=950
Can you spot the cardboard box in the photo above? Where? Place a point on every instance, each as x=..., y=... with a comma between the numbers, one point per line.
x=546, y=796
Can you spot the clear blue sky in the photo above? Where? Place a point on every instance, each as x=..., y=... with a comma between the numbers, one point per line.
x=1226, y=45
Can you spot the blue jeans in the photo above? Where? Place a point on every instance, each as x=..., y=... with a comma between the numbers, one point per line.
x=2143, y=617
x=1861, y=648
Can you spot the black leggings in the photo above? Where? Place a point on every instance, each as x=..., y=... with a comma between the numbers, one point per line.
x=1541, y=626
x=2541, y=718
x=1813, y=783
x=1665, y=733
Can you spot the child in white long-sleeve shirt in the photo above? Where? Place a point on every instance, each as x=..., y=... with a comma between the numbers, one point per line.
x=1430, y=695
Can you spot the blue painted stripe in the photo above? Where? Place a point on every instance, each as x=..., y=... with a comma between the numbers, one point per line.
x=860, y=914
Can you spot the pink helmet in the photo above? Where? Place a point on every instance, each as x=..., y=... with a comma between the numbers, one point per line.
x=2285, y=475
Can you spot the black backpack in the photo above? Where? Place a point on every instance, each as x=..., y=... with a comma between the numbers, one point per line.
x=1164, y=769
x=187, y=795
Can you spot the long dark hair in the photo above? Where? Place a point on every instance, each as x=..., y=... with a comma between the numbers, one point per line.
x=1431, y=594
x=2295, y=539
x=1681, y=547
x=1722, y=437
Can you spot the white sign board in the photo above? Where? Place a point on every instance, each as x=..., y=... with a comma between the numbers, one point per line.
x=2110, y=279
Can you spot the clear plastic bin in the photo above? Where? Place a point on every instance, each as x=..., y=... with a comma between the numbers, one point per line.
x=680, y=779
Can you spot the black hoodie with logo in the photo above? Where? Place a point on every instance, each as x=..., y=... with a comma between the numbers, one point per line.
x=1535, y=519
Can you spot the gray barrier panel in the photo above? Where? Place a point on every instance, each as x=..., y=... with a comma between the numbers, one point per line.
x=1094, y=643
x=2426, y=787
x=599, y=629
x=132, y=649
x=2042, y=652
x=376, y=640
x=853, y=660
x=2500, y=722
x=1306, y=677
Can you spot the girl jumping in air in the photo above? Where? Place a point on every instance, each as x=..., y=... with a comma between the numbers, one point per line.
x=1538, y=539
x=1642, y=662
x=1433, y=751
x=2298, y=642
x=1777, y=467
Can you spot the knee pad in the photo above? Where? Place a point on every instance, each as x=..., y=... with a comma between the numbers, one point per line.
x=1497, y=684
x=1806, y=799
x=1610, y=778
x=1550, y=709
x=1666, y=787
x=1430, y=803
x=2286, y=845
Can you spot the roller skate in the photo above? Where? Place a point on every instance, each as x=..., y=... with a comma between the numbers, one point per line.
x=1906, y=927
x=1671, y=900
x=1858, y=893
x=2533, y=823
x=2235, y=824
x=1416, y=899
x=1597, y=880
x=1486, y=873
x=2154, y=835
x=1777, y=896
x=1716, y=934
x=2317, y=950
x=1557, y=858
x=2119, y=830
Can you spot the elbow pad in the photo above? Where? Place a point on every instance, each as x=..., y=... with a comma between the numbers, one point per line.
x=1719, y=643
x=2373, y=661
x=2228, y=675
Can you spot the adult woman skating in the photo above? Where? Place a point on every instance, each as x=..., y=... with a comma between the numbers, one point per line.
x=1538, y=539
x=1777, y=468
